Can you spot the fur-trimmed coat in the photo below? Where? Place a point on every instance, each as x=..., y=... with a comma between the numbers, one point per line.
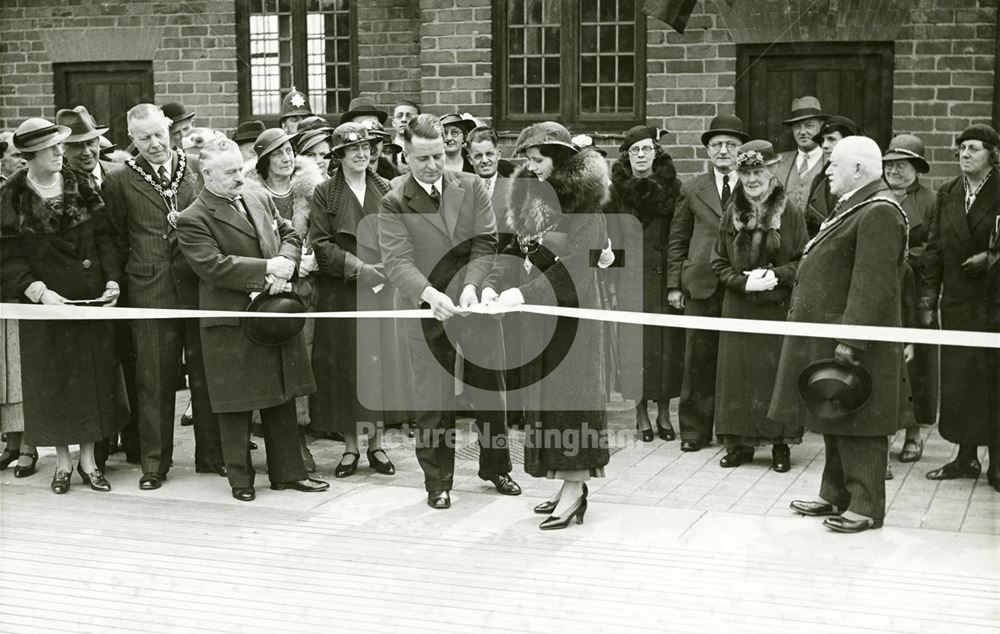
x=650, y=359
x=559, y=222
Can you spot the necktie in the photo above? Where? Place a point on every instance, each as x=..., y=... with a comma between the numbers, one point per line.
x=725, y=189
x=241, y=209
x=803, y=163
x=489, y=187
x=435, y=196
x=164, y=177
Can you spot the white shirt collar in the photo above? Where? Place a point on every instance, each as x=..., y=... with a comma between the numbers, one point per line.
x=718, y=180
x=98, y=174
x=156, y=166
x=427, y=188
x=812, y=157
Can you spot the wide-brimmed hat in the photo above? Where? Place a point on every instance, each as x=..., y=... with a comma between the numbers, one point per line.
x=376, y=130
x=295, y=104
x=305, y=141
x=804, y=108
x=176, y=112
x=36, y=134
x=272, y=332
x=107, y=147
x=833, y=391
x=754, y=154
x=80, y=123
x=979, y=132
x=248, y=131
x=907, y=147
x=638, y=133
x=836, y=123
x=347, y=134
x=270, y=140
x=467, y=125
x=725, y=124
x=544, y=133
x=363, y=105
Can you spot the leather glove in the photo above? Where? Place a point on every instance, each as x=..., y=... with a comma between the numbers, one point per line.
x=844, y=355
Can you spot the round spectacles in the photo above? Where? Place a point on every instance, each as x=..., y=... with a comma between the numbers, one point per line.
x=718, y=145
x=636, y=150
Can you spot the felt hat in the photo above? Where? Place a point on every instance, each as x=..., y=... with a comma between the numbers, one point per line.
x=725, y=124
x=836, y=123
x=36, y=134
x=80, y=123
x=832, y=391
x=270, y=140
x=248, y=131
x=640, y=132
x=176, y=112
x=804, y=108
x=347, y=134
x=907, y=147
x=467, y=125
x=754, y=154
x=363, y=105
x=979, y=132
x=272, y=332
x=544, y=133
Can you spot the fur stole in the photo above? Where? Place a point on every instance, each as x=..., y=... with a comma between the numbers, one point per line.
x=305, y=177
x=757, y=226
x=30, y=214
x=579, y=186
x=646, y=198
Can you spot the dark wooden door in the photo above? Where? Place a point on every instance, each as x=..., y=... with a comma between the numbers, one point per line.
x=107, y=89
x=851, y=79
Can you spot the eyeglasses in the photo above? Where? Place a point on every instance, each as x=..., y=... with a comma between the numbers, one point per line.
x=718, y=145
x=893, y=166
x=453, y=132
x=971, y=147
x=636, y=150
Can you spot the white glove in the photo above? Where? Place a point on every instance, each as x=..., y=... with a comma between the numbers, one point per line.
x=468, y=296
x=488, y=295
x=760, y=280
x=511, y=297
x=607, y=257
x=51, y=297
x=308, y=262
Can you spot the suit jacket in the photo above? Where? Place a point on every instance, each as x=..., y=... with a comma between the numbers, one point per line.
x=157, y=274
x=819, y=202
x=229, y=255
x=693, y=231
x=425, y=246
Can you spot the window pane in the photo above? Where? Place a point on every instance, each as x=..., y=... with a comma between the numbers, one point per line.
x=625, y=38
x=625, y=98
x=588, y=11
x=534, y=43
x=588, y=39
x=625, y=68
x=588, y=99
x=534, y=102
x=551, y=37
x=515, y=101
x=551, y=100
x=606, y=69
x=328, y=55
x=608, y=10
x=534, y=71
x=270, y=57
x=588, y=69
x=606, y=99
x=551, y=67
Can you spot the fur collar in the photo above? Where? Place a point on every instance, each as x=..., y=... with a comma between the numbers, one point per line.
x=757, y=242
x=647, y=198
x=579, y=186
x=79, y=200
x=305, y=178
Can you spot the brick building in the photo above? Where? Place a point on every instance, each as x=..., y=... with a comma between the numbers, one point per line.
x=921, y=66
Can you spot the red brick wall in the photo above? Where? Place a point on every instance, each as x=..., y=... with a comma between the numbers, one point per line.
x=389, y=51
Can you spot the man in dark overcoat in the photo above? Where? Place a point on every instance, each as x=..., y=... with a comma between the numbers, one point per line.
x=955, y=281
x=851, y=274
x=144, y=200
x=692, y=284
x=433, y=226
x=238, y=245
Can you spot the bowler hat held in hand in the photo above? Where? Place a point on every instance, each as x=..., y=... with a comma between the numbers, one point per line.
x=274, y=331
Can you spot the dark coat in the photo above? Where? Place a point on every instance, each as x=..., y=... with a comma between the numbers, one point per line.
x=692, y=234
x=851, y=273
x=158, y=275
x=819, y=203
x=570, y=202
x=651, y=359
x=962, y=298
x=230, y=258
x=71, y=381
x=772, y=238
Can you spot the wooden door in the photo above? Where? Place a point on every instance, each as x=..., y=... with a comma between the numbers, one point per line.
x=850, y=79
x=107, y=89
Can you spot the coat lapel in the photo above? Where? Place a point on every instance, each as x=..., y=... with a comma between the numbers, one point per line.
x=223, y=211
x=986, y=202
x=420, y=203
x=953, y=211
x=144, y=188
x=451, y=202
x=266, y=229
x=708, y=194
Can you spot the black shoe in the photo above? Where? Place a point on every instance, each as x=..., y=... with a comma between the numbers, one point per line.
x=503, y=483
x=8, y=456
x=814, y=509
x=347, y=469
x=385, y=468
x=665, y=433
x=690, y=445
x=843, y=525
x=151, y=481
x=548, y=506
x=95, y=479
x=736, y=456
x=781, y=458
x=60, y=481
x=186, y=420
x=957, y=469
x=217, y=469
x=642, y=417
x=244, y=494
x=439, y=499
x=309, y=485
x=577, y=511
x=24, y=472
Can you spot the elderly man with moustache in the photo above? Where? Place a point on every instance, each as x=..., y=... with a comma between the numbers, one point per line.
x=799, y=167
x=238, y=245
x=851, y=273
x=145, y=199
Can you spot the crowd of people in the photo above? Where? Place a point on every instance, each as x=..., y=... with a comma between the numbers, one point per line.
x=353, y=216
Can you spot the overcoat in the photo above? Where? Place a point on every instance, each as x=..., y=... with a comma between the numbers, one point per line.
x=851, y=273
x=955, y=236
x=567, y=210
x=229, y=255
x=770, y=237
x=651, y=359
x=70, y=379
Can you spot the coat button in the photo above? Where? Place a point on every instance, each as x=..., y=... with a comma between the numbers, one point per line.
x=87, y=264
x=164, y=236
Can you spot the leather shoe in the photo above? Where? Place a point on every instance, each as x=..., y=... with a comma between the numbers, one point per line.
x=186, y=420
x=309, y=485
x=60, y=481
x=95, y=479
x=151, y=481
x=957, y=469
x=736, y=456
x=813, y=509
x=8, y=456
x=912, y=451
x=781, y=458
x=385, y=468
x=503, y=483
x=25, y=471
x=347, y=469
x=218, y=469
x=843, y=525
x=244, y=494
x=690, y=445
x=665, y=433
x=439, y=499
x=548, y=506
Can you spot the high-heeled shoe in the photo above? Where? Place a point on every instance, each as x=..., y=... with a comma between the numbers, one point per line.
x=546, y=507
x=640, y=417
x=60, y=481
x=385, y=468
x=665, y=433
x=24, y=472
x=577, y=511
x=8, y=457
x=345, y=469
x=95, y=479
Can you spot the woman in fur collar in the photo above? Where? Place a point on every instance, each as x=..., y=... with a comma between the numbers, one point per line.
x=554, y=210
x=644, y=186
x=756, y=255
